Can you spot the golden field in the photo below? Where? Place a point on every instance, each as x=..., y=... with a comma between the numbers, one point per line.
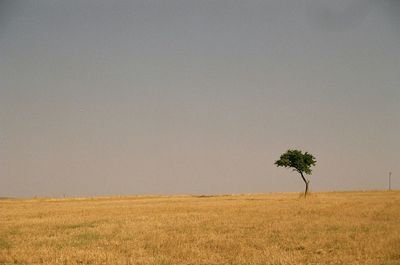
x=325, y=228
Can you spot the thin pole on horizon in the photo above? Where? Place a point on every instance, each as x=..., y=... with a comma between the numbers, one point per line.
x=390, y=181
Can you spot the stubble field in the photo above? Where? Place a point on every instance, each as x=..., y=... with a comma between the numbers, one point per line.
x=326, y=228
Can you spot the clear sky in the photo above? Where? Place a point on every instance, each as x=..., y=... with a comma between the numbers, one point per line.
x=105, y=97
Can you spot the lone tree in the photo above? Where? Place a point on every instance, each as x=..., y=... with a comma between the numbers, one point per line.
x=299, y=161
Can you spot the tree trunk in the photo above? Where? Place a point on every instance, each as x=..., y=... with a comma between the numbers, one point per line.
x=306, y=182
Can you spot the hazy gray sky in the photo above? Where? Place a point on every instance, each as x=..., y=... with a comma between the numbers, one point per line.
x=162, y=97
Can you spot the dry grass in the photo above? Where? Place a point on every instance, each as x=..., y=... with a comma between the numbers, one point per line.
x=326, y=228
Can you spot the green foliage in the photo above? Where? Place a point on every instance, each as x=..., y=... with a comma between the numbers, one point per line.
x=296, y=159
x=299, y=161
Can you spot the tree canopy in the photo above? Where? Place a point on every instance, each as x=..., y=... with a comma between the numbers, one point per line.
x=299, y=162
